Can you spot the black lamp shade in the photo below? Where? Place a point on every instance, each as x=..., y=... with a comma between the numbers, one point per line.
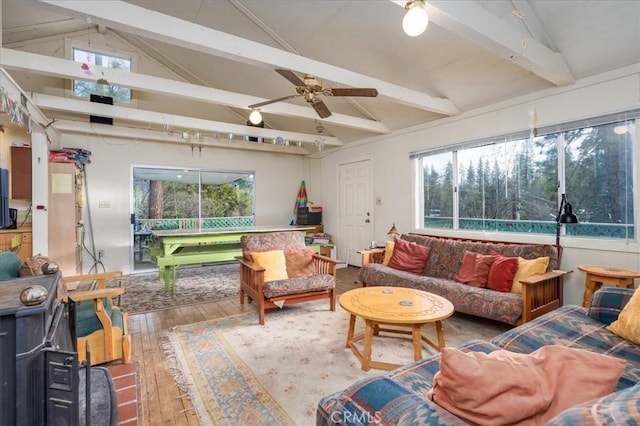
x=568, y=216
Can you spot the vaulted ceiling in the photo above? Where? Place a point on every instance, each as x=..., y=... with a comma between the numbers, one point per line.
x=208, y=60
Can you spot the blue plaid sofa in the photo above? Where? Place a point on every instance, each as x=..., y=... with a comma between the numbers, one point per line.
x=540, y=294
x=398, y=398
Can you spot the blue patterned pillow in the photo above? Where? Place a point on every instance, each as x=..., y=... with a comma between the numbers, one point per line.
x=618, y=408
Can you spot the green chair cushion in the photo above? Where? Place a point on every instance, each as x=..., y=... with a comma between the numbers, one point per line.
x=87, y=321
x=9, y=265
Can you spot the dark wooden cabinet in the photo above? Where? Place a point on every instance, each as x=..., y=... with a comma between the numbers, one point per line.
x=21, y=173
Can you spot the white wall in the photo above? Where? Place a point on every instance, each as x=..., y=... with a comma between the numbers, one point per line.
x=616, y=91
x=109, y=179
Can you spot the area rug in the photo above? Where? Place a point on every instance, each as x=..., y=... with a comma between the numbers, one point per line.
x=194, y=284
x=238, y=372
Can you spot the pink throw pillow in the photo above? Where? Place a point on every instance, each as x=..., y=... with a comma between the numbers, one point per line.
x=474, y=270
x=505, y=387
x=410, y=257
x=501, y=273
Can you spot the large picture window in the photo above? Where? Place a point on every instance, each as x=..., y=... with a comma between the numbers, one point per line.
x=192, y=199
x=599, y=177
x=513, y=183
x=170, y=198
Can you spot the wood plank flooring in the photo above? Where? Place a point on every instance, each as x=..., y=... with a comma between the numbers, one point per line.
x=161, y=402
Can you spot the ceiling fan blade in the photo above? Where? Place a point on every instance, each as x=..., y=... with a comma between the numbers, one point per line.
x=372, y=93
x=321, y=109
x=284, y=98
x=291, y=76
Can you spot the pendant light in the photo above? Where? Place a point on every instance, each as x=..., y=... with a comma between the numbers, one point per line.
x=416, y=19
x=255, y=117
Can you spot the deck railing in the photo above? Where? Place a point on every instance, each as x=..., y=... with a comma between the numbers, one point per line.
x=582, y=229
x=196, y=223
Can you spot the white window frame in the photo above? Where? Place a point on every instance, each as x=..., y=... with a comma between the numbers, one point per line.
x=91, y=46
x=560, y=128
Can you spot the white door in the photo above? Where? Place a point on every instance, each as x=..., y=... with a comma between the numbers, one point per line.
x=355, y=192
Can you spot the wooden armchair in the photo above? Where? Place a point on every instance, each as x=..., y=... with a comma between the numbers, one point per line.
x=316, y=282
x=98, y=321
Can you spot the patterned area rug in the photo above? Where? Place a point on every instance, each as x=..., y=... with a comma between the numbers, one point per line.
x=238, y=372
x=196, y=284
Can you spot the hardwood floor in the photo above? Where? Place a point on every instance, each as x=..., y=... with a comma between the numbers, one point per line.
x=161, y=402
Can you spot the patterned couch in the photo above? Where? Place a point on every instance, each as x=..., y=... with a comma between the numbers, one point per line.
x=540, y=294
x=399, y=397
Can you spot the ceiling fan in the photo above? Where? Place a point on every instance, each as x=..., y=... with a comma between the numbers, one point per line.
x=311, y=88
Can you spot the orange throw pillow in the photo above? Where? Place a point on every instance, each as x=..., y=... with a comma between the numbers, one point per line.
x=475, y=269
x=504, y=387
x=528, y=268
x=501, y=273
x=299, y=263
x=274, y=264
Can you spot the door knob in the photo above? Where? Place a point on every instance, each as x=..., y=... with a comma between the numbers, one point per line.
x=367, y=221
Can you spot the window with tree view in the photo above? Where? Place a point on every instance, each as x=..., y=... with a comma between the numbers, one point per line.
x=96, y=84
x=192, y=199
x=514, y=184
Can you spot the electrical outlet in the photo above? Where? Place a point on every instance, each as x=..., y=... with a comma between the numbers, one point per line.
x=100, y=254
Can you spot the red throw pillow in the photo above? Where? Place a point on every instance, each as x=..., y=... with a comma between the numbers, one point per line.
x=410, y=257
x=474, y=270
x=502, y=272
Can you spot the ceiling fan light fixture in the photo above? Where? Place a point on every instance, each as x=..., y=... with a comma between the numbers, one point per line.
x=255, y=117
x=415, y=21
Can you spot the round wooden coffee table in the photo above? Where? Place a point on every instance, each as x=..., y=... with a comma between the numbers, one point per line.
x=396, y=306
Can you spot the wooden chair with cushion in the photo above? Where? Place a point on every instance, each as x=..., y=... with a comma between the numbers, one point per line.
x=276, y=269
x=98, y=321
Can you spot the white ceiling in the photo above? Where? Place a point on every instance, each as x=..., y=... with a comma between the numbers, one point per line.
x=213, y=58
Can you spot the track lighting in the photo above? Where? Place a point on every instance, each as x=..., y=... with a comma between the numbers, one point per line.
x=416, y=19
x=255, y=117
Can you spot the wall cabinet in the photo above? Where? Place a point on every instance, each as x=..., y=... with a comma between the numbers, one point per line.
x=26, y=249
x=20, y=173
x=65, y=215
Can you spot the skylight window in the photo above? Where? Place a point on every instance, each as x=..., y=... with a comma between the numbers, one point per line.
x=96, y=82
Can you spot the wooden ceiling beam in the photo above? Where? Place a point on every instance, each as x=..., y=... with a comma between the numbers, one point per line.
x=474, y=23
x=146, y=23
x=65, y=68
x=58, y=103
x=69, y=126
x=30, y=110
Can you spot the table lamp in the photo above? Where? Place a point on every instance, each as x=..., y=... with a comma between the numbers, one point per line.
x=566, y=217
x=393, y=232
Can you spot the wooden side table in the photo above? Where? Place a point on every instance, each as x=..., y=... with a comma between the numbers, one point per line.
x=597, y=276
